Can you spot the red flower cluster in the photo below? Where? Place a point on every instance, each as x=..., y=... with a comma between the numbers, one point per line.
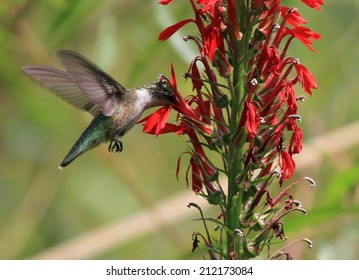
x=268, y=107
x=277, y=96
x=251, y=120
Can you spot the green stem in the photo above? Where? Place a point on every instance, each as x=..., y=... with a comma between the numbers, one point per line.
x=234, y=155
x=235, y=151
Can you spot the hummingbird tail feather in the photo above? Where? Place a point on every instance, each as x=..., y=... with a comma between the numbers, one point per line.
x=72, y=154
x=82, y=145
x=93, y=136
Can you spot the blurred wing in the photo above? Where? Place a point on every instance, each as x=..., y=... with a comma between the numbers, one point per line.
x=101, y=88
x=63, y=85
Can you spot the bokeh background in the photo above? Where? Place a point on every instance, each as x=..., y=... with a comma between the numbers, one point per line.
x=130, y=205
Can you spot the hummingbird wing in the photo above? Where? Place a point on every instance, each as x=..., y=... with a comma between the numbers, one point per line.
x=64, y=86
x=100, y=87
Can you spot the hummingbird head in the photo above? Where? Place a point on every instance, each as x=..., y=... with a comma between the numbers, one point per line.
x=161, y=92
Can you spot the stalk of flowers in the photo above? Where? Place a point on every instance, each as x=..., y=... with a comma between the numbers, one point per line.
x=244, y=108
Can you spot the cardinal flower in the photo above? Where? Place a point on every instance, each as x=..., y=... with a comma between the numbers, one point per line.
x=240, y=118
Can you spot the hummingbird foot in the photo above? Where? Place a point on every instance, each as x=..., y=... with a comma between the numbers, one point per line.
x=115, y=146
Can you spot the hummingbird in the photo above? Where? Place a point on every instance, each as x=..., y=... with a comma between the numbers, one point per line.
x=115, y=109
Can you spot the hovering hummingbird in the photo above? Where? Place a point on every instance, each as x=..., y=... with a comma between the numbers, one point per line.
x=115, y=109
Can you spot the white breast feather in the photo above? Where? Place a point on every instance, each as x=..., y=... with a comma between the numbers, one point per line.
x=143, y=98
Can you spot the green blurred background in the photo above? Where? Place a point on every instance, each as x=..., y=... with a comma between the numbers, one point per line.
x=130, y=205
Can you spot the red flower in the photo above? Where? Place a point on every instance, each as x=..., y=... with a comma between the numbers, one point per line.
x=252, y=119
x=182, y=106
x=165, y=2
x=212, y=33
x=195, y=74
x=208, y=5
x=304, y=34
x=212, y=39
x=233, y=24
x=314, y=3
x=169, y=31
x=203, y=171
x=294, y=18
x=207, y=167
x=199, y=177
x=288, y=96
x=306, y=78
x=269, y=61
x=156, y=122
x=196, y=176
x=295, y=144
x=287, y=165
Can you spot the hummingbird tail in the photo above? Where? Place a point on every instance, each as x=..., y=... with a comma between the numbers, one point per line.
x=74, y=153
x=93, y=136
x=82, y=145
x=86, y=142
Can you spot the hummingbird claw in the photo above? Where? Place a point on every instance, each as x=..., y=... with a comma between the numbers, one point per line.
x=115, y=146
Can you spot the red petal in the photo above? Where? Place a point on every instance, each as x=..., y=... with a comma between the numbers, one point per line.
x=196, y=176
x=295, y=144
x=233, y=19
x=162, y=122
x=307, y=78
x=156, y=122
x=196, y=77
x=178, y=166
x=165, y=2
x=213, y=41
x=169, y=31
x=287, y=165
x=305, y=35
x=294, y=18
x=185, y=109
x=314, y=3
x=173, y=79
x=252, y=120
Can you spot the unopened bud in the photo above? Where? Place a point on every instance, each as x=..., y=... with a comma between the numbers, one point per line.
x=297, y=203
x=275, y=26
x=311, y=181
x=254, y=82
x=296, y=61
x=301, y=98
x=292, y=10
x=238, y=232
x=277, y=173
x=309, y=242
x=296, y=117
x=188, y=37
